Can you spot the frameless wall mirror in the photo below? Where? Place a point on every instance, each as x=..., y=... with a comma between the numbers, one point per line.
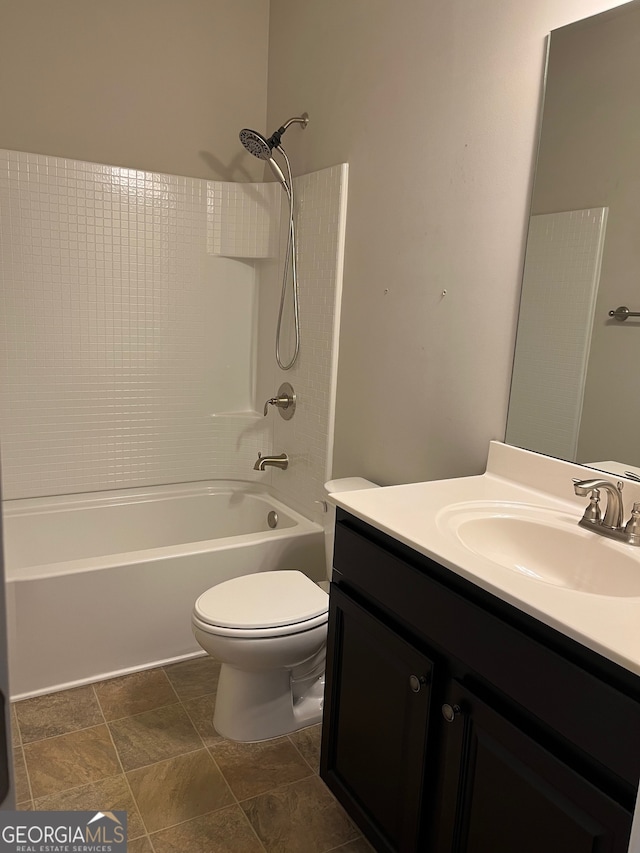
x=575, y=391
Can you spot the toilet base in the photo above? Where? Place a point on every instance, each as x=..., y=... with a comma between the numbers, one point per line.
x=255, y=706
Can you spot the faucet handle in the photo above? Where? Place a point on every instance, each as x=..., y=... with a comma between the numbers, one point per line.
x=632, y=527
x=592, y=512
x=285, y=401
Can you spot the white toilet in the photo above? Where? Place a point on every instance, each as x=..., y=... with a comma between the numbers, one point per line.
x=269, y=630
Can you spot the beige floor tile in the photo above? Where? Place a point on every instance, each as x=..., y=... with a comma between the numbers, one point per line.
x=21, y=780
x=196, y=677
x=254, y=768
x=27, y=806
x=179, y=789
x=299, y=818
x=111, y=794
x=15, y=731
x=224, y=831
x=141, y=845
x=307, y=741
x=57, y=713
x=200, y=711
x=360, y=845
x=134, y=694
x=70, y=760
x=154, y=736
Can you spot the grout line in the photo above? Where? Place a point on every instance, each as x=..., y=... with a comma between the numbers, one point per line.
x=279, y=787
x=77, y=787
x=206, y=814
x=124, y=775
x=347, y=843
x=14, y=714
x=19, y=747
x=65, y=734
x=27, y=774
x=253, y=829
x=235, y=802
x=314, y=770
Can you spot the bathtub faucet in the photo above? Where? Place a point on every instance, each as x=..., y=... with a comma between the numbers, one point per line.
x=281, y=461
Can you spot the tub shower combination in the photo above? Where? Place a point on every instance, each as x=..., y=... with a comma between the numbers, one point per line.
x=103, y=584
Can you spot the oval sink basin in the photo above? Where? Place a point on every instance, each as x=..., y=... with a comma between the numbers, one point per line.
x=549, y=548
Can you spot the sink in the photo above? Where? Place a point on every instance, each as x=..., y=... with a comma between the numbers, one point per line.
x=544, y=545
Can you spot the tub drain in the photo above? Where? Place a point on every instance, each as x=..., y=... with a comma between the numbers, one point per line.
x=272, y=519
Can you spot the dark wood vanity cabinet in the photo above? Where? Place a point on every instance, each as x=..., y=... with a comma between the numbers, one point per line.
x=455, y=723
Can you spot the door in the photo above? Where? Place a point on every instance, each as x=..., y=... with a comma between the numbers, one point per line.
x=503, y=792
x=376, y=720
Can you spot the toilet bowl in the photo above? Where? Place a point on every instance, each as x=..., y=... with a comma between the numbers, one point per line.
x=269, y=632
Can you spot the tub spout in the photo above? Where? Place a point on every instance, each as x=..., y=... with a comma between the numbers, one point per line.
x=281, y=461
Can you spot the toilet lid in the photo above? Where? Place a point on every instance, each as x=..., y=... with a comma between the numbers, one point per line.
x=263, y=600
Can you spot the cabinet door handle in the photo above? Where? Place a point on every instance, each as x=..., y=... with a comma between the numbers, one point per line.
x=417, y=682
x=450, y=712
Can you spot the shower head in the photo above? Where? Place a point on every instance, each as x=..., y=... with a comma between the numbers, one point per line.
x=255, y=143
x=259, y=146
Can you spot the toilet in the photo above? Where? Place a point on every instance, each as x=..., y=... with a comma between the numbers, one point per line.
x=269, y=631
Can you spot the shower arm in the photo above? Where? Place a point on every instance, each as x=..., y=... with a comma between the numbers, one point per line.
x=276, y=137
x=303, y=119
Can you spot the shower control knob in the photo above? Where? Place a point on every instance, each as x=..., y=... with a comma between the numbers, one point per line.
x=417, y=682
x=450, y=712
x=285, y=402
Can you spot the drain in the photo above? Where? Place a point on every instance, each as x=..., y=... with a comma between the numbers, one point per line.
x=272, y=519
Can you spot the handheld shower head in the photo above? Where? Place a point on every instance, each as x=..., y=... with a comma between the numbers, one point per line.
x=259, y=146
x=255, y=143
x=262, y=148
x=277, y=171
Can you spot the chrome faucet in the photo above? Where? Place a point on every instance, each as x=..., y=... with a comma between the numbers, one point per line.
x=613, y=513
x=281, y=461
x=612, y=525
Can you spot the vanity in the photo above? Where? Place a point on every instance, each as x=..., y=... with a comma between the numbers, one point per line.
x=483, y=658
x=483, y=665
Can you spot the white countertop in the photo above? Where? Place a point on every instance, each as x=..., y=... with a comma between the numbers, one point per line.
x=413, y=514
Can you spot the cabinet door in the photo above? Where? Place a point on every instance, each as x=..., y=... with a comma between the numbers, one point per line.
x=502, y=792
x=375, y=724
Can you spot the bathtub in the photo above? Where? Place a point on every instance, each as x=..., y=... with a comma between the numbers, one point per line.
x=99, y=585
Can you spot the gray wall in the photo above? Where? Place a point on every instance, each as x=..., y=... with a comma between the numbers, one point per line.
x=435, y=107
x=160, y=85
x=433, y=103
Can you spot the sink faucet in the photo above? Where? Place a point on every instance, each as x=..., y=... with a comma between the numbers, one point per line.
x=612, y=525
x=281, y=461
x=614, y=512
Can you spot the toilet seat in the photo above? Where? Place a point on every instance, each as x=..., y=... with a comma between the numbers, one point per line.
x=265, y=604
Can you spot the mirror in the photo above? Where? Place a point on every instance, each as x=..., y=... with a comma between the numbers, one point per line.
x=575, y=390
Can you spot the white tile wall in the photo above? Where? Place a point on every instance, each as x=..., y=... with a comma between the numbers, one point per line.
x=561, y=278
x=119, y=335
x=128, y=345
x=241, y=219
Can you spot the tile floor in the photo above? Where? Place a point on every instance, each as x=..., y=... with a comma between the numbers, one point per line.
x=145, y=743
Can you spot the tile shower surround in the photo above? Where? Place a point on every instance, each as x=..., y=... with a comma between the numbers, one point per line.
x=128, y=316
x=145, y=743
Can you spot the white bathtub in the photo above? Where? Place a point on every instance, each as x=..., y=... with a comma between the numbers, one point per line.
x=103, y=584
